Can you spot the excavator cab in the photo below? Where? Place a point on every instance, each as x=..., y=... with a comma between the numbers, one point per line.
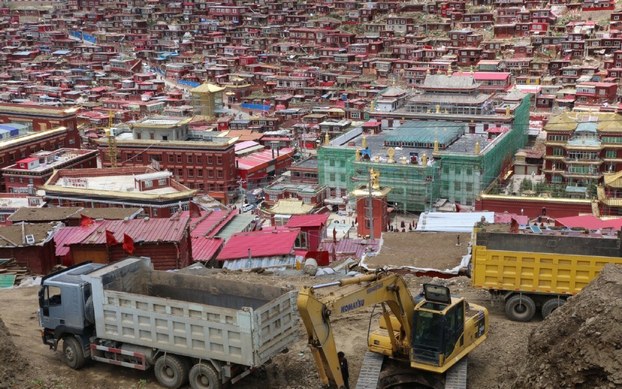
x=438, y=324
x=439, y=329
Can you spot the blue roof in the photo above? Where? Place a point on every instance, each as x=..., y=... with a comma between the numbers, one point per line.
x=61, y=52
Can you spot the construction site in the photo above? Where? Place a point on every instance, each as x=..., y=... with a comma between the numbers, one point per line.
x=575, y=346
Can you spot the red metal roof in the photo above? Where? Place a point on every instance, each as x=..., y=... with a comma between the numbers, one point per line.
x=316, y=220
x=590, y=222
x=259, y=159
x=257, y=244
x=212, y=223
x=140, y=230
x=69, y=235
x=204, y=249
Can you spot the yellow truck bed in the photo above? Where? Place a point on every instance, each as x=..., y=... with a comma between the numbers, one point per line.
x=537, y=272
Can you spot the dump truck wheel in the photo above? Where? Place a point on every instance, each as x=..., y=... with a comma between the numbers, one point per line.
x=73, y=355
x=550, y=305
x=171, y=371
x=520, y=308
x=204, y=376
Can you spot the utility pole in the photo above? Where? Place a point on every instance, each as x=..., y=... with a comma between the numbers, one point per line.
x=370, y=205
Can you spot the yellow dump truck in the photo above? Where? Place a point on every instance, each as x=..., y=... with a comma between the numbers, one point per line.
x=538, y=271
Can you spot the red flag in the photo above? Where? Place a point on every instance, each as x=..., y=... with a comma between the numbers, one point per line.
x=195, y=210
x=128, y=244
x=110, y=239
x=85, y=221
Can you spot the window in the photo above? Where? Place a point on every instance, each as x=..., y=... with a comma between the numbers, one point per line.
x=210, y=173
x=190, y=172
x=190, y=159
x=171, y=158
x=558, y=151
x=331, y=176
x=53, y=295
x=301, y=240
x=148, y=184
x=179, y=159
x=199, y=172
x=457, y=186
x=219, y=160
x=210, y=160
x=219, y=174
x=610, y=154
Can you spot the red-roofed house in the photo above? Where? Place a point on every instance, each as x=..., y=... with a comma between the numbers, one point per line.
x=311, y=231
x=490, y=81
x=255, y=168
x=270, y=248
x=165, y=241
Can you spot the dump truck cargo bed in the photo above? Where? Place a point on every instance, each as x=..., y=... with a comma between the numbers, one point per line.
x=197, y=316
x=540, y=263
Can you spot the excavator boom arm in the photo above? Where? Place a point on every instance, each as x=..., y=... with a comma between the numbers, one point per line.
x=352, y=294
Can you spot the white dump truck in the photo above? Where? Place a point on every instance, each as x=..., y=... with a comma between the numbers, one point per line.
x=189, y=328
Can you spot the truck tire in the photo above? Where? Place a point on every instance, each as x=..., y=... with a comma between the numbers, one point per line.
x=171, y=371
x=550, y=305
x=204, y=376
x=520, y=307
x=73, y=355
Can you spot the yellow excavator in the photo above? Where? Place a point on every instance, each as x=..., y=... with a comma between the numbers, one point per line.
x=423, y=339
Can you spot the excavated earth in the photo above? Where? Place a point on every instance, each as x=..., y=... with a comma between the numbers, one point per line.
x=580, y=344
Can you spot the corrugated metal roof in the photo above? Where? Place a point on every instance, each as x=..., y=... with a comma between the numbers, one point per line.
x=237, y=224
x=274, y=263
x=263, y=157
x=140, y=230
x=257, y=244
x=355, y=247
x=211, y=224
x=315, y=220
x=69, y=235
x=204, y=249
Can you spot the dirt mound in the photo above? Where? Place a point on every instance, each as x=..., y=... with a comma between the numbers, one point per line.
x=13, y=367
x=580, y=344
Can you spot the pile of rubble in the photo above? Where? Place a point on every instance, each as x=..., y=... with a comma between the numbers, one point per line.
x=10, y=270
x=580, y=344
x=13, y=366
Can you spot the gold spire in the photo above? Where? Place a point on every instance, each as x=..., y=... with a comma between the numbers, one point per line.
x=424, y=160
x=364, y=142
x=436, y=145
x=375, y=179
x=326, y=139
x=477, y=148
x=357, y=156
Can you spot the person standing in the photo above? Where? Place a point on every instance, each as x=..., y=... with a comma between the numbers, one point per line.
x=343, y=365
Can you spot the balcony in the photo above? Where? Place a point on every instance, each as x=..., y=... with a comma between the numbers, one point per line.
x=572, y=161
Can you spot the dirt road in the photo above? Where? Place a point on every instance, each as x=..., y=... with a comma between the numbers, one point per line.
x=38, y=367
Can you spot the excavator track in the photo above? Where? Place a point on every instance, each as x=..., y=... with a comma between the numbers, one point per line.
x=396, y=375
x=399, y=375
x=456, y=377
x=370, y=371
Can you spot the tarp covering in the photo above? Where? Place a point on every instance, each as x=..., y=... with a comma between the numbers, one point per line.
x=452, y=222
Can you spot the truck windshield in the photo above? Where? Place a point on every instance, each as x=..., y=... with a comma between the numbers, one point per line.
x=428, y=330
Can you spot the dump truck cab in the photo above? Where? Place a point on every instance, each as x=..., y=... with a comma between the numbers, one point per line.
x=64, y=305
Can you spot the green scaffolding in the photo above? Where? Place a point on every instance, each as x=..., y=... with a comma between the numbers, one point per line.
x=458, y=177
